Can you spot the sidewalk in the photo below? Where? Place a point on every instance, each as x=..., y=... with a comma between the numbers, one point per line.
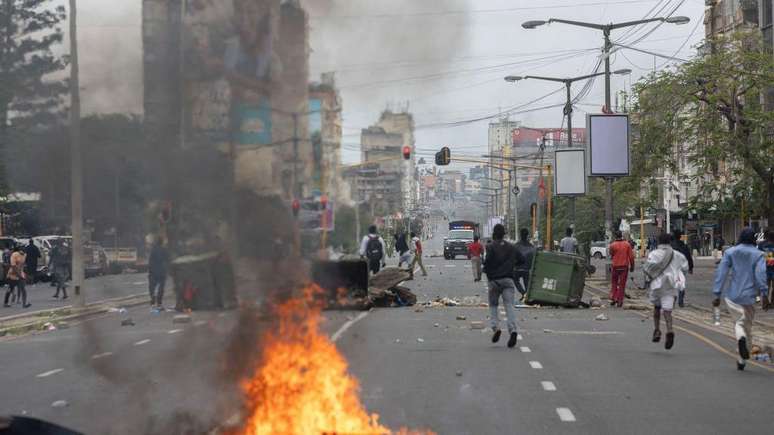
x=96, y=289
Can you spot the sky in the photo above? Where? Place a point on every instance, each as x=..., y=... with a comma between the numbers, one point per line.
x=444, y=60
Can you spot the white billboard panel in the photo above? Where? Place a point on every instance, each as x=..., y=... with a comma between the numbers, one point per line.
x=570, y=172
x=608, y=145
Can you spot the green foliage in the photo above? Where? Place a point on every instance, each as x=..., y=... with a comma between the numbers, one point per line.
x=29, y=96
x=709, y=111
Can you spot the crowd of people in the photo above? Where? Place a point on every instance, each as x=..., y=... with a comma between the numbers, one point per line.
x=20, y=269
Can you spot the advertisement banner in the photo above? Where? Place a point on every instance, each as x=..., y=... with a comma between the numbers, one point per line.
x=609, y=139
x=570, y=173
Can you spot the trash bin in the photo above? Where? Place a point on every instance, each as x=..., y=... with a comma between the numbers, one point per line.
x=195, y=285
x=556, y=279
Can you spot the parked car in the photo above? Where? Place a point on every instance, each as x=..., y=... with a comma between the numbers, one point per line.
x=598, y=250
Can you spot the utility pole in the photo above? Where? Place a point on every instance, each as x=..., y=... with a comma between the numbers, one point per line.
x=296, y=187
x=76, y=187
x=608, y=180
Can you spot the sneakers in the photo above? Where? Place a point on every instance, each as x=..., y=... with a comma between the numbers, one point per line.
x=656, y=336
x=670, y=340
x=743, y=351
x=740, y=365
x=496, y=336
x=512, y=340
x=27, y=305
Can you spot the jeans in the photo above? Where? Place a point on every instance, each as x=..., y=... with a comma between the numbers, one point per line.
x=520, y=275
x=374, y=266
x=156, y=282
x=475, y=262
x=60, y=278
x=506, y=288
x=12, y=285
x=618, y=290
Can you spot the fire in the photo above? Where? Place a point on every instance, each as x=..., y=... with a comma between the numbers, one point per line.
x=302, y=385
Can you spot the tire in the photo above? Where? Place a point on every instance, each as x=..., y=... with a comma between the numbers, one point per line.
x=598, y=255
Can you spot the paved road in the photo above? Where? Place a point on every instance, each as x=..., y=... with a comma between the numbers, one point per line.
x=98, y=288
x=569, y=373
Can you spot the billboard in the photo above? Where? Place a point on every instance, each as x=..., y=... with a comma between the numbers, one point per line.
x=227, y=66
x=609, y=139
x=570, y=172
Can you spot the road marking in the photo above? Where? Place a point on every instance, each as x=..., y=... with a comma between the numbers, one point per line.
x=525, y=349
x=101, y=355
x=139, y=283
x=49, y=373
x=141, y=342
x=450, y=265
x=200, y=322
x=536, y=365
x=335, y=337
x=565, y=414
x=174, y=331
x=548, y=385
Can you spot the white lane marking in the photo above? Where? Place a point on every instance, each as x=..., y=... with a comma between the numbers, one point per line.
x=525, y=349
x=222, y=315
x=49, y=373
x=101, y=355
x=200, y=322
x=139, y=283
x=536, y=365
x=565, y=414
x=141, y=342
x=335, y=337
x=174, y=331
x=548, y=385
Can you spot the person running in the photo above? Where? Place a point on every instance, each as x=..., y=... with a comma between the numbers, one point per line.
x=404, y=254
x=664, y=271
x=416, y=249
x=747, y=267
x=31, y=261
x=16, y=278
x=622, y=257
x=476, y=250
x=679, y=245
x=521, y=273
x=499, y=263
x=767, y=246
x=569, y=244
x=59, y=265
x=157, y=273
x=372, y=249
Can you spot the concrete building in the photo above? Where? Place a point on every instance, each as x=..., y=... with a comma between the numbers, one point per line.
x=325, y=135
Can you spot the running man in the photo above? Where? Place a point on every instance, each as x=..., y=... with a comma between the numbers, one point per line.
x=747, y=267
x=665, y=272
x=501, y=258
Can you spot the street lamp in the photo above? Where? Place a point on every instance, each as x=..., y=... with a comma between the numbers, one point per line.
x=606, y=29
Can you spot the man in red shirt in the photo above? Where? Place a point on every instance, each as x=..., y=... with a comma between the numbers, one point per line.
x=622, y=257
x=475, y=249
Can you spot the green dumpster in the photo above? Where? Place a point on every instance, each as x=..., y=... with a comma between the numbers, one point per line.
x=556, y=279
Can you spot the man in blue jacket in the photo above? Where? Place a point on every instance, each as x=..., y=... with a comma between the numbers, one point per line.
x=748, y=280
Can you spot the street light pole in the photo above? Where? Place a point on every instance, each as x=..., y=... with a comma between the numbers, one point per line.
x=606, y=29
x=76, y=184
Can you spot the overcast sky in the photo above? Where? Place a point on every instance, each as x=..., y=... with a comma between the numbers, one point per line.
x=444, y=59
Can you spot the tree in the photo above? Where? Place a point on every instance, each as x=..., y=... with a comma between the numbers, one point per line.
x=29, y=97
x=708, y=112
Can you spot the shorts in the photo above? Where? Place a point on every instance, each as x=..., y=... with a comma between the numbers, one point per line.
x=665, y=302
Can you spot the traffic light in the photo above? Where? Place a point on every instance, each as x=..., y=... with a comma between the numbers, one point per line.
x=407, y=152
x=443, y=157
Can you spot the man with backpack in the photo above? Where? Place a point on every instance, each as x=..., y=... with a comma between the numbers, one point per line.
x=372, y=249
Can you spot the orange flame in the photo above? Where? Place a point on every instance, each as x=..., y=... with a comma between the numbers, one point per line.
x=301, y=385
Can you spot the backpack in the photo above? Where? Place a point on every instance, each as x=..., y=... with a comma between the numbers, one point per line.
x=374, y=249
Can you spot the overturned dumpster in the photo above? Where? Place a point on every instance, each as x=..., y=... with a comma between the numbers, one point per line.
x=203, y=282
x=556, y=279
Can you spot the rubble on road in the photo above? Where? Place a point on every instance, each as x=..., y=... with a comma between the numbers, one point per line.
x=595, y=303
x=181, y=318
x=461, y=317
x=384, y=289
x=420, y=340
x=127, y=322
x=602, y=317
x=477, y=325
x=60, y=404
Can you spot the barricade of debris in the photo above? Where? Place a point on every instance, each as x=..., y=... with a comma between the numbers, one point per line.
x=384, y=289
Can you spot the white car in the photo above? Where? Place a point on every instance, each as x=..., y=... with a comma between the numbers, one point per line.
x=598, y=250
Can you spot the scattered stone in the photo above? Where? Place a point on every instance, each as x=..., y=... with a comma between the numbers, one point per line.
x=397, y=340
x=420, y=340
x=483, y=304
x=48, y=326
x=461, y=317
x=127, y=322
x=595, y=302
x=62, y=325
x=181, y=318
x=60, y=404
x=459, y=373
x=419, y=310
x=601, y=317
x=476, y=325
x=548, y=331
x=436, y=324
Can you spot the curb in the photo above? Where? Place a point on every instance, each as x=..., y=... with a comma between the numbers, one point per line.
x=36, y=319
x=49, y=312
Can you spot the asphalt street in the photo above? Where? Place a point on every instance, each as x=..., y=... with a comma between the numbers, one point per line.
x=419, y=368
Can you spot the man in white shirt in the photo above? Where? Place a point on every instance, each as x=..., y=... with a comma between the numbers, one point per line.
x=372, y=249
x=569, y=244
